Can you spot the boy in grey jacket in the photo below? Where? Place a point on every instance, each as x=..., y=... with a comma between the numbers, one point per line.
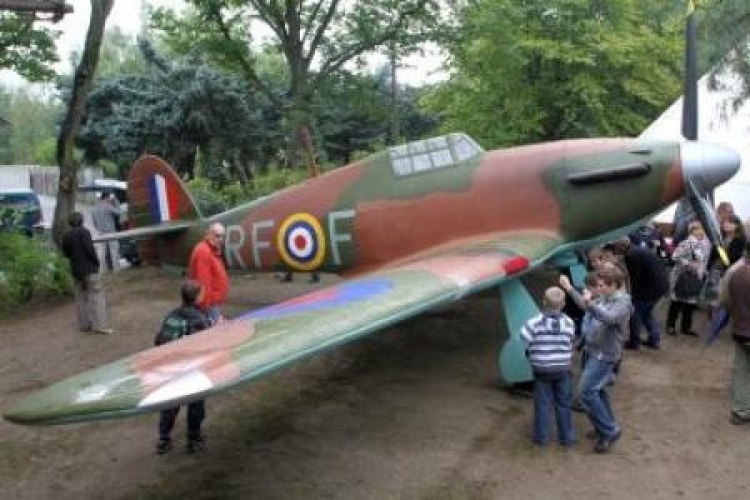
x=605, y=325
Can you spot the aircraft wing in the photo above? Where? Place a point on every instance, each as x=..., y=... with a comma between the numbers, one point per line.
x=144, y=232
x=266, y=339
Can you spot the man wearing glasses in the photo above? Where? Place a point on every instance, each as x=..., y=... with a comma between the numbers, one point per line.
x=207, y=268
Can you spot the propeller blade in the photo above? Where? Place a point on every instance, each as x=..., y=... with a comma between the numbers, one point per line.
x=700, y=200
x=690, y=83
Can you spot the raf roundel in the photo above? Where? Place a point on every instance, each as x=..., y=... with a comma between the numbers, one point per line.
x=301, y=242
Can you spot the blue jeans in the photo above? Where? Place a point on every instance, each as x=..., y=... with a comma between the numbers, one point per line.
x=594, y=397
x=554, y=394
x=643, y=315
x=213, y=314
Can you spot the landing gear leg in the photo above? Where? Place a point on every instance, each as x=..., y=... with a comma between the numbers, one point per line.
x=519, y=307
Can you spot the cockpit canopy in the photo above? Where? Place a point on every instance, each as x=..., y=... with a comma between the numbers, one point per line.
x=431, y=154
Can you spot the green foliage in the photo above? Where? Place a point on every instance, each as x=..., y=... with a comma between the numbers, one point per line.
x=119, y=55
x=724, y=41
x=353, y=114
x=26, y=47
x=173, y=109
x=30, y=269
x=275, y=179
x=32, y=118
x=329, y=32
x=212, y=200
x=45, y=150
x=544, y=70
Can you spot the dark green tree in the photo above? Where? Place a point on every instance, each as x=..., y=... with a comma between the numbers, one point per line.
x=724, y=41
x=354, y=113
x=549, y=69
x=316, y=39
x=31, y=118
x=27, y=46
x=175, y=109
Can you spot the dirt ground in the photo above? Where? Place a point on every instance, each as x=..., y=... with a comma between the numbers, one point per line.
x=413, y=412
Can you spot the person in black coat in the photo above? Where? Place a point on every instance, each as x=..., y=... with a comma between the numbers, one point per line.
x=649, y=282
x=78, y=247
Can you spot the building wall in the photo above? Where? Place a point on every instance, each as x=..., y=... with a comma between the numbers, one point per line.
x=43, y=180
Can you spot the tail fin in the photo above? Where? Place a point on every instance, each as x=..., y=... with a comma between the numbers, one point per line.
x=156, y=194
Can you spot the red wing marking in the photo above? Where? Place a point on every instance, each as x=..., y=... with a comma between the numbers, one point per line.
x=516, y=264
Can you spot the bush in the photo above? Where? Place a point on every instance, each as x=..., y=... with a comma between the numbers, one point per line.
x=276, y=179
x=29, y=269
x=212, y=200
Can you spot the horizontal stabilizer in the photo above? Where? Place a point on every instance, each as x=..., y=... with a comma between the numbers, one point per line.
x=145, y=232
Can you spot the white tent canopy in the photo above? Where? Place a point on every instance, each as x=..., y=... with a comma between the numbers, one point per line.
x=719, y=123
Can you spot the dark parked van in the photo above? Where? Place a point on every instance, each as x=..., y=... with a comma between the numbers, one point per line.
x=20, y=211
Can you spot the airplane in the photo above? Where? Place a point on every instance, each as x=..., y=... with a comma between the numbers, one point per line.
x=414, y=227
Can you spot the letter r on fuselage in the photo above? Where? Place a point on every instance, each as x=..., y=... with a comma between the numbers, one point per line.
x=234, y=241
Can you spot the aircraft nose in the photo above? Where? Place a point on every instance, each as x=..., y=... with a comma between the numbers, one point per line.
x=708, y=164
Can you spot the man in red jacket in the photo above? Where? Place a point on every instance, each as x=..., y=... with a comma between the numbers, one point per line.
x=207, y=268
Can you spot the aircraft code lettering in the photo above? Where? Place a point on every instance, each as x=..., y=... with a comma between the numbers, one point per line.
x=289, y=239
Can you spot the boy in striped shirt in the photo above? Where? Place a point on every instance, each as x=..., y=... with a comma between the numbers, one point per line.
x=549, y=339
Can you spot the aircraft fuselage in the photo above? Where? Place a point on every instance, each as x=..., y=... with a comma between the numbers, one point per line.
x=387, y=207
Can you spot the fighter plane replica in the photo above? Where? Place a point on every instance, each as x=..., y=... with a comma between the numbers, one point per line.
x=413, y=227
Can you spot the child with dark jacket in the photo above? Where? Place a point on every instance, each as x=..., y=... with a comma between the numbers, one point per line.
x=549, y=339
x=184, y=320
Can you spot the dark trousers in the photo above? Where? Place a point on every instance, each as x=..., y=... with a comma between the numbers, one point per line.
x=643, y=316
x=686, y=321
x=196, y=412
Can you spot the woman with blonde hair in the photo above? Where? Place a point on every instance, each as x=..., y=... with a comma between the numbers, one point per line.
x=685, y=284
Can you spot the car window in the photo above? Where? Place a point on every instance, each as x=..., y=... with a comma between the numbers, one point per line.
x=18, y=201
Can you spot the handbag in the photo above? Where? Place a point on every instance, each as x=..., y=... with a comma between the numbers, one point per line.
x=688, y=285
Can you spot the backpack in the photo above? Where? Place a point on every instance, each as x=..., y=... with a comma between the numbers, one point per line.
x=174, y=326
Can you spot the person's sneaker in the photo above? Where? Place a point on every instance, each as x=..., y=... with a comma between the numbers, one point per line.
x=593, y=435
x=163, y=446
x=195, y=445
x=651, y=345
x=604, y=444
x=735, y=419
x=103, y=331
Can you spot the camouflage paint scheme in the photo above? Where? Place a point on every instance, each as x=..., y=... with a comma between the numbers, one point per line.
x=414, y=226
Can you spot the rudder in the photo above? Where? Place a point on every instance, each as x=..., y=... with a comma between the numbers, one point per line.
x=157, y=194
